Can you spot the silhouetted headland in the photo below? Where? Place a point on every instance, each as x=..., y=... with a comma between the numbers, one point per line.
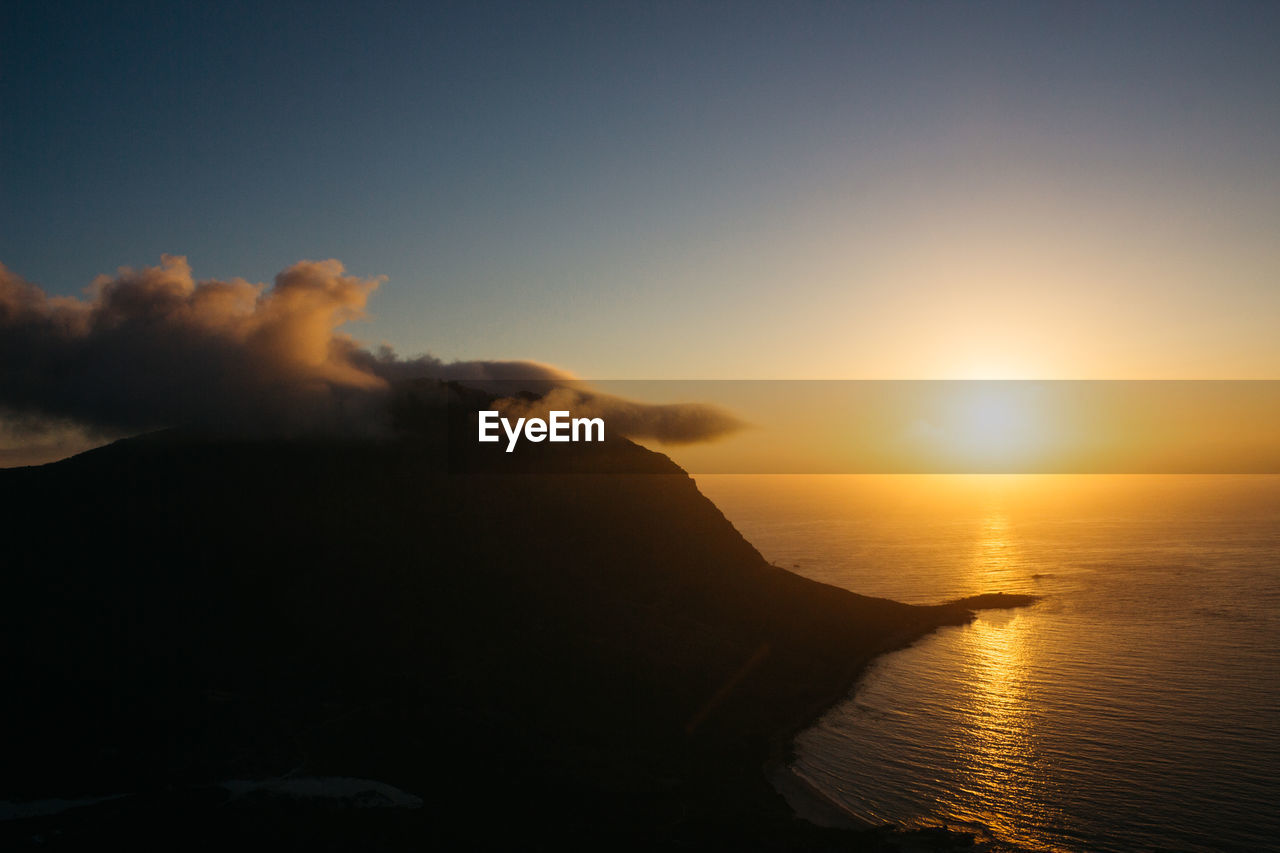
x=586, y=650
x=996, y=600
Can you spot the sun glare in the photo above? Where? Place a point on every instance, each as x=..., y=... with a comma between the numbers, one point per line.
x=992, y=424
x=983, y=426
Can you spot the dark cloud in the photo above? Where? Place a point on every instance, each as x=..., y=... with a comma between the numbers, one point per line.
x=152, y=348
x=675, y=423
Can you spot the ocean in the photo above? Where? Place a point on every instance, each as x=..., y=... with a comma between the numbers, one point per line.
x=1135, y=707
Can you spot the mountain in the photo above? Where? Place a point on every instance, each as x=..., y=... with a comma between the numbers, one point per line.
x=569, y=644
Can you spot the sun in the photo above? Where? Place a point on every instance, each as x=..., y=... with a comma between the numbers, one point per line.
x=995, y=423
x=983, y=426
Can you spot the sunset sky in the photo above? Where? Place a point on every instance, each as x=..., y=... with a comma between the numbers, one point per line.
x=682, y=190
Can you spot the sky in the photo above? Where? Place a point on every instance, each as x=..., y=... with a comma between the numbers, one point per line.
x=681, y=190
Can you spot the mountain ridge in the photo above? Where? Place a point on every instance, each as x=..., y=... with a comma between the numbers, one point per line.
x=188, y=609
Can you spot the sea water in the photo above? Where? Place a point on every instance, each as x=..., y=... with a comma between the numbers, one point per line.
x=1135, y=707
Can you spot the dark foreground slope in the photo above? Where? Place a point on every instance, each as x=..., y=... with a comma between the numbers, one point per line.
x=541, y=657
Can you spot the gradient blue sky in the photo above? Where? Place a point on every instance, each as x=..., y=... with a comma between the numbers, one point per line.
x=682, y=190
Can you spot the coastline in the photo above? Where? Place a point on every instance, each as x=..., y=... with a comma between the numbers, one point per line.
x=664, y=610
x=806, y=801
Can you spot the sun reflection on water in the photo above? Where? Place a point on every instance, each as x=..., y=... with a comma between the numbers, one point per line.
x=1000, y=758
x=1125, y=711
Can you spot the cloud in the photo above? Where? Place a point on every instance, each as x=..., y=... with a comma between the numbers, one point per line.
x=153, y=348
x=673, y=423
x=34, y=440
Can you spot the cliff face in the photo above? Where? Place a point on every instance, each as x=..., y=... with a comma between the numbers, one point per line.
x=586, y=653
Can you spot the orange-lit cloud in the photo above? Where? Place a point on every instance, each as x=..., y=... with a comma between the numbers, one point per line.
x=153, y=348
